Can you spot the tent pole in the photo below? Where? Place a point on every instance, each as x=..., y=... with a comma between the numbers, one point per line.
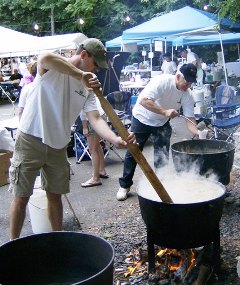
x=151, y=57
x=238, y=51
x=224, y=64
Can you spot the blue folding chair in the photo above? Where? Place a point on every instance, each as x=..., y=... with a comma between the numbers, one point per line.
x=225, y=114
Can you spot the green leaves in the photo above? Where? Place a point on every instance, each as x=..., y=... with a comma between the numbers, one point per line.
x=104, y=19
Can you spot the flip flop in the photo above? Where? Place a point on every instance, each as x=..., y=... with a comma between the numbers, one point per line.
x=104, y=176
x=90, y=184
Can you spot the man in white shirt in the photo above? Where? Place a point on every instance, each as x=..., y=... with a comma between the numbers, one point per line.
x=169, y=66
x=159, y=102
x=193, y=58
x=62, y=87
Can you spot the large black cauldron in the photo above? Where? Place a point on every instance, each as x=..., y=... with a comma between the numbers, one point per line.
x=57, y=258
x=209, y=155
x=182, y=226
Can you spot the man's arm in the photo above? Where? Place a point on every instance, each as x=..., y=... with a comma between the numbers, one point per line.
x=104, y=131
x=150, y=105
x=50, y=61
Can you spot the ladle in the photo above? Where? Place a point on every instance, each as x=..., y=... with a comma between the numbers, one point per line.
x=200, y=126
x=133, y=148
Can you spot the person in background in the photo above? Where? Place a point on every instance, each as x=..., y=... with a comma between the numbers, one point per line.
x=1, y=77
x=26, y=85
x=16, y=78
x=169, y=66
x=29, y=76
x=61, y=89
x=95, y=149
x=16, y=75
x=158, y=103
x=193, y=58
x=14, y=65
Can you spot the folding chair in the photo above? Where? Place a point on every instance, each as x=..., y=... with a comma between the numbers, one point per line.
x=121, y=103
x=225, y=114
x=10, y=93
x=81, y=147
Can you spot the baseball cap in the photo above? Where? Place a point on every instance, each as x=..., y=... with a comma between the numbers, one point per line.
x=97, y=50
x=189, y=71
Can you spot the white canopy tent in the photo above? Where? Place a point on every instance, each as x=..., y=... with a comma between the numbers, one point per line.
x=20, y=44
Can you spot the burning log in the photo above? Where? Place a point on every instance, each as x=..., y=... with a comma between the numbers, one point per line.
x=186, y=266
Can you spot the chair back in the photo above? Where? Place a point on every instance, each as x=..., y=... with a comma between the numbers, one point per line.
x=120, y=100
x=224, y=95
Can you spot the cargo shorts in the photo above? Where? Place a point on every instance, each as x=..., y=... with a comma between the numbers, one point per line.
x=31, y=156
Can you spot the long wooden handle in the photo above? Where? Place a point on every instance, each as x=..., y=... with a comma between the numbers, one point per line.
x=133, y=148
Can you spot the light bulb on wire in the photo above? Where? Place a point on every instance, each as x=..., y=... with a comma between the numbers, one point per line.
x=205, y=7
x=81, y=21
x=127, y=19
x=36, y=27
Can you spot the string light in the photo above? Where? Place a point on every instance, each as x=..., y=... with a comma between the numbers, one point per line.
x=36, y=27
x=81, y=21
x=205, y=7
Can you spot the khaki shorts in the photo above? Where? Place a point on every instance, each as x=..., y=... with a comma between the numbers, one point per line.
x=31, y=156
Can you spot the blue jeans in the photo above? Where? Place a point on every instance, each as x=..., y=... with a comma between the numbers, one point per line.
x=161, y=141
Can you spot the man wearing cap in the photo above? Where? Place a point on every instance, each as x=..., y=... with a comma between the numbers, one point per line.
x=62, y=88
x=159, y=102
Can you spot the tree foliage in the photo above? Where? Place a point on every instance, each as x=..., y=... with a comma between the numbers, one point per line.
x=104, y=19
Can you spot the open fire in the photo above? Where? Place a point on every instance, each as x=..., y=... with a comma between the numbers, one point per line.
x=172, y=266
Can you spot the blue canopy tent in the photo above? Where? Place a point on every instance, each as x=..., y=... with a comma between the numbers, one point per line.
x=182, y=22
x=229, y=38
x=114, y=43
x=179, y=21
x=120, y=43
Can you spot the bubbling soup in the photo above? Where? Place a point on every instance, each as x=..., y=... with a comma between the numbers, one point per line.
x=183, y=189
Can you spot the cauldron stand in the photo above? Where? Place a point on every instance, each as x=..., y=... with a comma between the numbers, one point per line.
x=214, y=247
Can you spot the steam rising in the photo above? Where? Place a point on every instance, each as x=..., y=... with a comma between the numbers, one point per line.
x=183, y=187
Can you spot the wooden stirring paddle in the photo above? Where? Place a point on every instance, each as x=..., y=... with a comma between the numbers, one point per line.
x=133, y=148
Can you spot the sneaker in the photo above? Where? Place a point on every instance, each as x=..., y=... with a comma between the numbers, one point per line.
x=122, y=193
